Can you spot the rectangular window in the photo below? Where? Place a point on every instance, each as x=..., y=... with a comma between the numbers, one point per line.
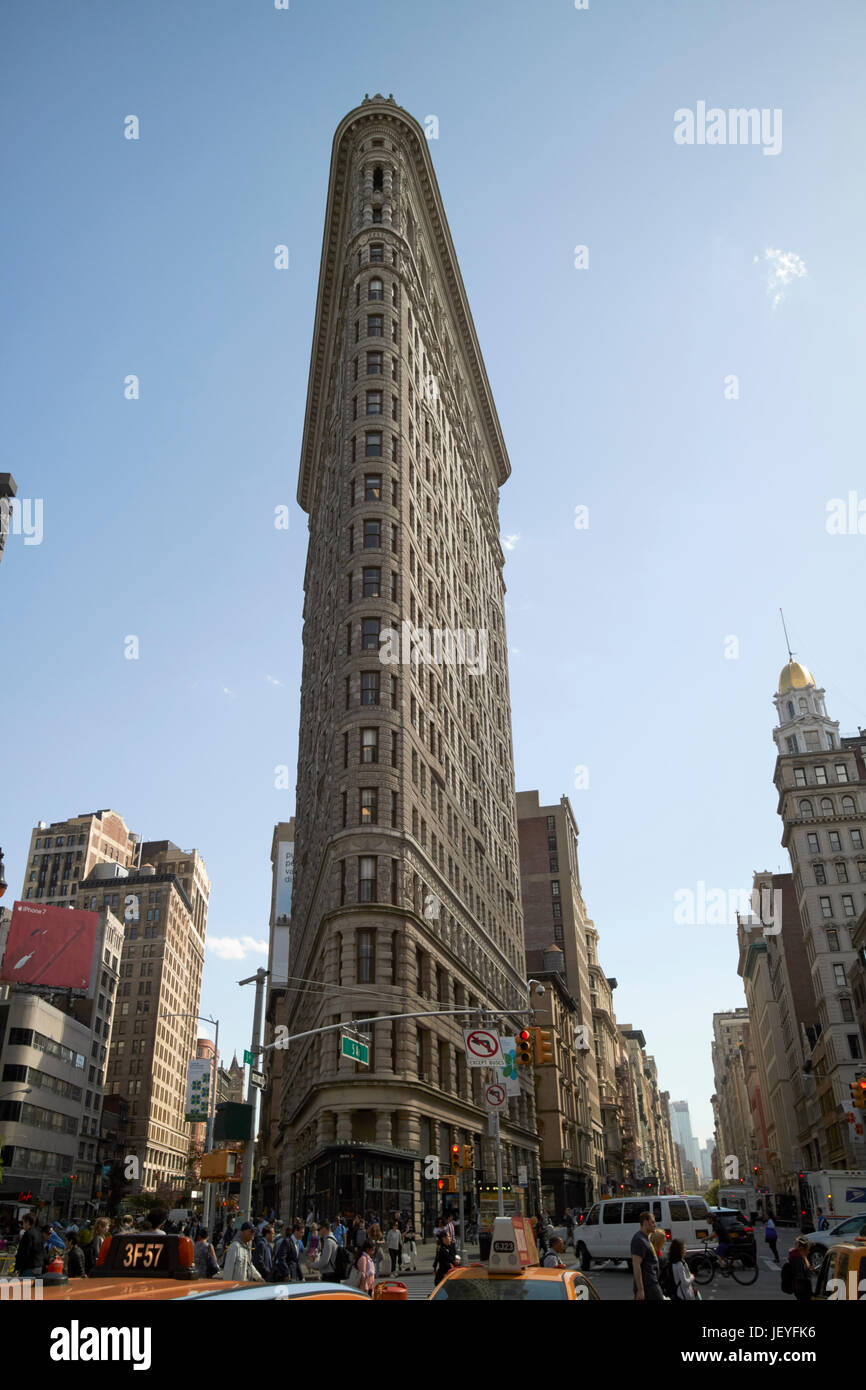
x=395, y=747
x=374, y=402
x=372, y=582
x=812, y=841
x=373, y=444
x=369, y=687
x=394, y=815
x=839, y=975
x=370, y=635
x=375, y=325
x=857, y=839
x=826, y=907
x=377, y=253
x=366, y=958
x=841, y=772
x=372, y=534
x=847, y=1010
x=395, y=587
x=369, y=804
x=374, y=363
x=821, y=776
x=372, y=487
x=799, y=777
x=854, y=1044
x=367, y=879
x=847, y=904
x=832, y=939
x=820, y=874
x=792, y=744
x=369, y=745
x=554, y=887
x=835, y=842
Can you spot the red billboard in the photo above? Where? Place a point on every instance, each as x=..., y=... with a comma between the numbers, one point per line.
x=50, y=946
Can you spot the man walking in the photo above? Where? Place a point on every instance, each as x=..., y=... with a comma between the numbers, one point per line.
x=554, y=1257
x=771, y=1236
x=238, y=1262
x=30, y=1256
x=326, y=1260
x=644, y=1263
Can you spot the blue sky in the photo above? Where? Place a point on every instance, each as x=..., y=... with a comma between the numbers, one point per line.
x=155, y=258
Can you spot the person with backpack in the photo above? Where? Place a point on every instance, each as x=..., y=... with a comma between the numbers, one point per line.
x=325, y=1262
x=771, y=1236
x=796, y=1272
x=204, y=1256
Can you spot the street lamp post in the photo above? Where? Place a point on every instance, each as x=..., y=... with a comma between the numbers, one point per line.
x=211, y=1107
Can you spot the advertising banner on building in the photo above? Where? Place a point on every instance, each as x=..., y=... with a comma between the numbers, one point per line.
x=52, y=946
x=285, y=870
x=198, y=1075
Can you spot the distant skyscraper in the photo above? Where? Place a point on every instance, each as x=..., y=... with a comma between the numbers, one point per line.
x=681, y=1125
x=406, y=894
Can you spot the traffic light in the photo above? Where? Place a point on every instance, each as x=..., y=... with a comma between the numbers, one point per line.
x=455, y=1156
x=858, y=1093
x=543, y=1046
x=523, y=1048
x=447, y=1184
x=468, y=1156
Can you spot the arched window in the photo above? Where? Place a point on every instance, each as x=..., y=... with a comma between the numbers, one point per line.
x=790, y=709
x=805, y=808
x=376, y=290
x=826, y=806
x=847, y=805
x=378, y=179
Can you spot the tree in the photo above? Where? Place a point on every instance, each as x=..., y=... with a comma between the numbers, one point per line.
x=712, y=1193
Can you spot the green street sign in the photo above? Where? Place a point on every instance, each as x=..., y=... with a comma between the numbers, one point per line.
x=358, y=1051
x=249, y=1059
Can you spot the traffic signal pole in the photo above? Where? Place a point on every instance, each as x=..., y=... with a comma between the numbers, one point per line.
x=252, y=1096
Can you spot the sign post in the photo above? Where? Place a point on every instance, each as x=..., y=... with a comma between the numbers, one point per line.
x=483, y=1047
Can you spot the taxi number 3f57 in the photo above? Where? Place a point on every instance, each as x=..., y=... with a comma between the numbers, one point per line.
x=147, y=1255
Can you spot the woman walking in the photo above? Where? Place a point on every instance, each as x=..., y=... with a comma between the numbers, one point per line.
x=363, y=1274
x=771, y=1236
x=204, y=1256
x=683, y=1279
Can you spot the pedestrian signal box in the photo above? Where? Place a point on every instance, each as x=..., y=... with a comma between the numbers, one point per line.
x=543, y=1038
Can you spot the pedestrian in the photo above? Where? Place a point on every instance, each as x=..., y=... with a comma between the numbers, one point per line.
x=569, y=1226
x=75, y=1267
x=394, y=1241
x=796, y=1272
x=446, y=1257
x=410, y=1247
x=657, y=1241
x=263, y=1252
x=325, y=1262
x=204, y=1256
x=554, y=1257
x=823, y=1223
x=682, y=1281
x=374, y=1233
x=238, y=1262
x=339, y=1229
x=363, y=1273
x=771, y=1236
x=287, y=1256
x=644, y=1262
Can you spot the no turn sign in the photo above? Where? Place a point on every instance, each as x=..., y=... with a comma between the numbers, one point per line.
x=495, y=1096
x=483, y=1048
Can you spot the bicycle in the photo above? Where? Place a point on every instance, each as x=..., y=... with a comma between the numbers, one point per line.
x=743, y=1269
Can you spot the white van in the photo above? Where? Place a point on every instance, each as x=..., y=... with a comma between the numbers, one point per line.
x=606, y=1232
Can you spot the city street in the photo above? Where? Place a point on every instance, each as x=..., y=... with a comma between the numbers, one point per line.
x=614, y=1283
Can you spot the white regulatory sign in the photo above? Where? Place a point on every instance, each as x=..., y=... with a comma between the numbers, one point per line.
x=495, y=1096
x=483, y=1048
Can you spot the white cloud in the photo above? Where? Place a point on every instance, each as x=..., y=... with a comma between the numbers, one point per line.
x=782, y=268
x=272, y=680
x=230, y=693
x=236, y=947
x=510, y=542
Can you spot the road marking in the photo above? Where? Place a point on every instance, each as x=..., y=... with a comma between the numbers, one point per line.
x=771, y=1264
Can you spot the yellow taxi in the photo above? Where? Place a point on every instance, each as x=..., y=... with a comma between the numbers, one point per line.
x=513, y=1274
x=842, y=1273
x=153, y=1266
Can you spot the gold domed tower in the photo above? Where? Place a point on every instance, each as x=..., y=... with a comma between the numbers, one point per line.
x=804, y=726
